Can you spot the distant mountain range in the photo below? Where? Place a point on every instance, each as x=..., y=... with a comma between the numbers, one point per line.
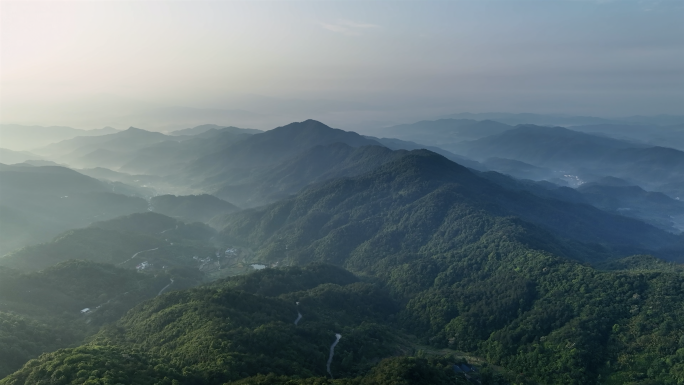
x=208, y=127
x=664, y=136
x=568, y=120
x=576, y=157
x=19, y=137
x=12, y=157
x=442, y=133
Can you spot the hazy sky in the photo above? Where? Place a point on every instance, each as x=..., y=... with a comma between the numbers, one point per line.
x=378, y=60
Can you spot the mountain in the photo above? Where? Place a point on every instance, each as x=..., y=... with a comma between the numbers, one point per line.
x=191, y=208
x=661, y=120
x=430, y=193
x=19, y=137
x=653, y=135
x=549, y=145
x=537, y=119
x=616, y=195
x=240, y=162
x=12, y=157
x=203, y=129
x=579, y=157
x=168, y=157
x=40, y=202
x=518, y=169
x=142, y=152
x=122, y=141
x=442, y=132
x=275, y=145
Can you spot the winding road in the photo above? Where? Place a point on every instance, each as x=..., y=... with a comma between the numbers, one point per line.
x=299, y=315
x=164, y=288
x=332, y=352
x=136, y=254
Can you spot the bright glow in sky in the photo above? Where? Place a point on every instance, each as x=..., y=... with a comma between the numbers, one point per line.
x=417, y=59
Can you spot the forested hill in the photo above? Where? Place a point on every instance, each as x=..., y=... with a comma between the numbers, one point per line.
x=472, y=276
x=423, y=203
x=226, y=332
x=547, y=319
x=41, y=312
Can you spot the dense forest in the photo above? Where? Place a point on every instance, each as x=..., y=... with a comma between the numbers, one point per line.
x=224, y=333
x=471, y=277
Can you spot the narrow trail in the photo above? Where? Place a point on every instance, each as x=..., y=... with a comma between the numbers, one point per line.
x=332, y=352
x=299, y=315
x=164, y=288
x=136, y=254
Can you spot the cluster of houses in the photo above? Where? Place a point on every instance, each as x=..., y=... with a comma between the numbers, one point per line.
x=143, y=266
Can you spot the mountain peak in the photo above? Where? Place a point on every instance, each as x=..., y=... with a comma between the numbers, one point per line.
x=308, y=124
x=138, y=132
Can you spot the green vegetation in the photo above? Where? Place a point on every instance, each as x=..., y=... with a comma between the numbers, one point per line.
x=216, y=334
x=390, y=371
x=101, y=365
x=41, y=312
x=470, y=277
